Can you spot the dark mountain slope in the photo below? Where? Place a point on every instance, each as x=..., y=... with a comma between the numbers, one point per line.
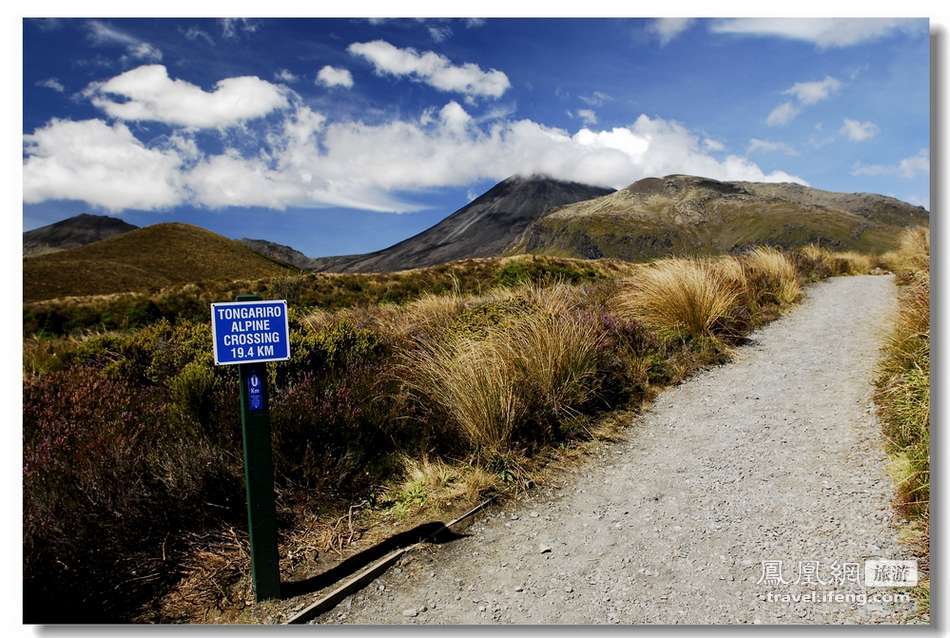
x=486, y=227
x=72, y=233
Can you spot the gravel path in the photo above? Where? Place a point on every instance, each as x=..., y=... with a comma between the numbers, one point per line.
x=775, y=456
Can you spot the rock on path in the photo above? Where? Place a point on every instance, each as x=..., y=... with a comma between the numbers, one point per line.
x=775, y=456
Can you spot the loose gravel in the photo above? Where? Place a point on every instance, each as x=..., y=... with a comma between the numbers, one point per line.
x=776, y=456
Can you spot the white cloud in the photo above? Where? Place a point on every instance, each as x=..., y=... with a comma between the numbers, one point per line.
x=472, y=23
x=440, y=33
x=858, y=131
x=434, y=69
x=52, y=83
x=102, y=165
x=713, y=145
x=908, y=167
x=193, y=33
x=809, y=93
x=102, y=34
x=148, y=94
x=587, y=116
x=331, y=76
x=823, y=32
x=782, y=114
x=232, y=27
x=769, y=146
x=805, y=94
x=285, y=75
x=306, y=161
x=597, y=98
x=666, y=29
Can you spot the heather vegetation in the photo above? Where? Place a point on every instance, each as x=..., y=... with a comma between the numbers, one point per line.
x=132, y=448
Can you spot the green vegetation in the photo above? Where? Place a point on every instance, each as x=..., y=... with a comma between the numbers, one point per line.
x=903, y=390
x=132, y=447
x=190, y=301
x=143, y=260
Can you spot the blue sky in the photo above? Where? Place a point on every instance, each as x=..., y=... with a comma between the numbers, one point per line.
x=340, y=136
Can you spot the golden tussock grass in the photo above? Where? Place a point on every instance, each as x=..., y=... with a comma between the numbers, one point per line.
x=772, y=275
x=681, y=295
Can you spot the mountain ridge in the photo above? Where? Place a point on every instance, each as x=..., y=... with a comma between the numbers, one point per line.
x=73, y=232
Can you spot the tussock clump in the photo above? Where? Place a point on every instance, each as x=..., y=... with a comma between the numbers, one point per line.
x=903, y=394
x=912, y=254
x=681, y=296
x=537, y=367
x=473, y=384
x=852, y=263
x=772, y=276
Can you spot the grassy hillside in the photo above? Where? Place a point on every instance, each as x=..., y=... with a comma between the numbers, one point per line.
x=143, y=260
x=681, y=215
x=123, y=311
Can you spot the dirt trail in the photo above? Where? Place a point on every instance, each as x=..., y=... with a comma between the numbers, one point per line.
x=775, y=456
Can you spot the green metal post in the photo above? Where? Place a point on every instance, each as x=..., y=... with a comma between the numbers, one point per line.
x=259, y=477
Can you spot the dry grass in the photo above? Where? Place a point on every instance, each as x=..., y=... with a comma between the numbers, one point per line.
x=773, y=275
x=681, y=296
x=903, y=395
x=474, y=385
x=912, y=254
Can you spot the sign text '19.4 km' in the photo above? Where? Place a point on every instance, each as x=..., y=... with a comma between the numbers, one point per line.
x=250, y=331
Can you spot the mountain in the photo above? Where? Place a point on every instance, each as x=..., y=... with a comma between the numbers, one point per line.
x=279, y=252
x=72, y=233
x=486, y=227
x=143, y=259
x=680, y=214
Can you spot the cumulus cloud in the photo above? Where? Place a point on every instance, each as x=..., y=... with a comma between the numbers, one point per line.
x=52, y=83
x=769, y=146
x=306, y=161
x=587, y=116
x=432, y=68
x=102, y=34
x=858, y=131
x=285, y=75
x=822, y=32
x=803, y=94
x=332, y=76
x=666, y=29
x=907, y=168
x=102, y=165
x=809, y=93
x=713, y=145
x=148, y=94
x=782, y=114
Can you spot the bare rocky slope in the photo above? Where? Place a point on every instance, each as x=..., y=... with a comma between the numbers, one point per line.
x=486, y=227
x=72, y=233
x=776, y=456
x=279, y=253
x=653, y=217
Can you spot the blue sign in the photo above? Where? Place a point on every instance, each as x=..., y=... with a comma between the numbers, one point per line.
x=255, y=395
x=250, y=331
